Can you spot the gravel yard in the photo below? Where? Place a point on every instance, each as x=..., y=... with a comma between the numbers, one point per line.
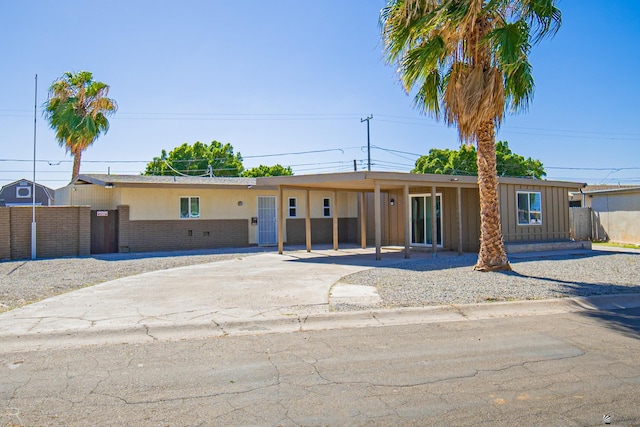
x=449, y=279
x=420, y=281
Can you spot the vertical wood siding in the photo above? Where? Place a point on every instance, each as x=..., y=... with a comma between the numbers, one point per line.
x=555, y=214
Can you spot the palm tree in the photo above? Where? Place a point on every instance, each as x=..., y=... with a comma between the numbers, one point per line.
x=77, y=109
x=468, y=60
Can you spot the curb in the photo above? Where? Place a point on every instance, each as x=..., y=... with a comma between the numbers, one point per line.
x=144, y=333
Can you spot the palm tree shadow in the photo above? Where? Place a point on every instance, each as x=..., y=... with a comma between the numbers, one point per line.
x=625, y=321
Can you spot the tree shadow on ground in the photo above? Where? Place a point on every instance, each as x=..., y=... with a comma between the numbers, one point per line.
x=605, y=299
x=568, y=282
x=421, y=259
x=624, y=321
x=573, y=288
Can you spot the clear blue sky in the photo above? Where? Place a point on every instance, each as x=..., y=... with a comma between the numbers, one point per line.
x=291, y=76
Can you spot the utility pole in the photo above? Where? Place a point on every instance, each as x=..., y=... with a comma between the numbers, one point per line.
x=368, y=142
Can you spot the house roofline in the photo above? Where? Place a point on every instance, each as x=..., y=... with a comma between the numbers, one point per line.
x=345, y=181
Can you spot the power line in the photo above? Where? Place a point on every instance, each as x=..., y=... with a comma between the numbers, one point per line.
x=424, y=121
x=590, y=169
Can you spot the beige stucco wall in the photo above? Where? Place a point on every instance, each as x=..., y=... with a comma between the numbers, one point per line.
x=148, y=203
x=164, y=203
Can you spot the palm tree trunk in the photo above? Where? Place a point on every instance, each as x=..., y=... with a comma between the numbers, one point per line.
x=492, y=255
x=77, y=156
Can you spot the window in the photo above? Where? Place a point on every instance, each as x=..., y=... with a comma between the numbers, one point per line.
x=326, y=207
x=293, y=207
x=189, y=207
x=529, y=208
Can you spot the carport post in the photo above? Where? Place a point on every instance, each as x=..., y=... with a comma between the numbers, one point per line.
x=434, y=223
x=363, y=220
x=377, y=221
x=335, y=220
x=307, y=221
x=407, y=222
x=280, y=221
x=459, y=220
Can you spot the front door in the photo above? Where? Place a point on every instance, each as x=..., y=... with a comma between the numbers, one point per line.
x=421, y=220
x=267, y=221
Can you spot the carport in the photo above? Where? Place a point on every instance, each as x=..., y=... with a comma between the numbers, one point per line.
x=375, y=183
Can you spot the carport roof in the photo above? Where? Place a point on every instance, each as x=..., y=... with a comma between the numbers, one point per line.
x=363, y=181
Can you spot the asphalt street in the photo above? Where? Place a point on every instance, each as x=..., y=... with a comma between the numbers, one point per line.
x=568, y=369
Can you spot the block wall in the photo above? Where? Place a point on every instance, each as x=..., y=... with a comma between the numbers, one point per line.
x=60, y=231
x=175, y=235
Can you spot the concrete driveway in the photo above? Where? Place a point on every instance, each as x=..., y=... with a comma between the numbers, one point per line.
x=257, y=293
x=241, y=293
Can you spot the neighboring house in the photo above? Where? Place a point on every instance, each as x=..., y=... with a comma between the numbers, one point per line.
x=615, y=213
x=577, y=199
x=151, y=213
x=20, y=193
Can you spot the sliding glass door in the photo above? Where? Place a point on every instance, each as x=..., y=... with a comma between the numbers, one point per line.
x=421, y=220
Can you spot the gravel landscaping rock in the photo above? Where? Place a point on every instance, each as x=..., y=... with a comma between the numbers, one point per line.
x=450, y=279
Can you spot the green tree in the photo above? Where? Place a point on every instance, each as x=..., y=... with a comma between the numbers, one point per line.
x=77, y=108
x=199, y=159
x=262, y=170
x=468, y=61
x=464, y=162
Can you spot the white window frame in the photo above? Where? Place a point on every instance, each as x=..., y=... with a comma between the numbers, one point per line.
x=190, y=215
x=525, y=213
x=292, y=208
x=441, y=222
x=326, y=207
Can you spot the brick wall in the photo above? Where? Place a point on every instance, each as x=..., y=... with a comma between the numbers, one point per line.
x=123, y=228
x=322, y=230
x=5, y=233
x=169, y=235
x=60, y=231
x=84, y=230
